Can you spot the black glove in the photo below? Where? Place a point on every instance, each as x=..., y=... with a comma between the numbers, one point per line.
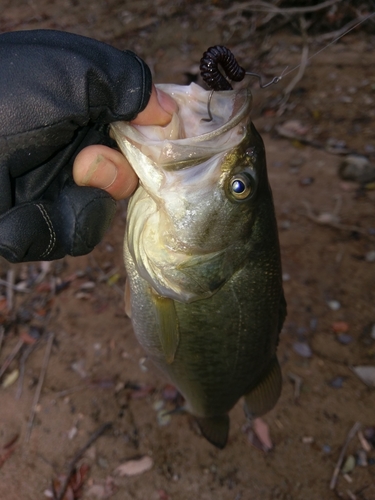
x=58, y=93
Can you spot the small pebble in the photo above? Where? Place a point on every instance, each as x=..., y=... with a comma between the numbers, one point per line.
x=313, y=324
x=88, y=285
x=303, y=349
x=103, y=462
x=340, y=326
x=327, y=449
x=72, y=433
x=158, y=405
x=163, y=418
x=370, y=256
x=336, y=382
x=369, y=434
x=362, y=458
x=369, y=148
x=286, y=277
x=348, y=465
x=306, y=181
x=302, y=331
x=142, y=364
x=285, y=224
x=344, y=338
x=334, y=305
x=307, y=440
x=169, y=393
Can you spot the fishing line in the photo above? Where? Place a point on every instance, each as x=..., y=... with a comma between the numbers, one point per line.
x=326, y=46
x=220, y=55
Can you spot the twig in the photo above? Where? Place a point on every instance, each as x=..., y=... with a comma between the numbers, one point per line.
x=11, y=357
x=8, y=449
x=338, y=33
x=364, y=443
x=16, y=288
x=324, y=220
x=29, y=349
x=297, y=384
x=2, y=331
x=301, y=67
x=77, y=456
x=267, y=7
x=349, y=437
x=72, y=390
x=38, y=390
x=10, y=288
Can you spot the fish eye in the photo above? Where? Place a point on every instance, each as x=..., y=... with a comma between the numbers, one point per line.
x=241, y=186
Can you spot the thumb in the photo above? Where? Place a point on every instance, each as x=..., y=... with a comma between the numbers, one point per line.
x=105, y=168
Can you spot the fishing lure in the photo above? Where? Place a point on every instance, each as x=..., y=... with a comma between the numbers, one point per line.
x=209, y=68
x=221, y=55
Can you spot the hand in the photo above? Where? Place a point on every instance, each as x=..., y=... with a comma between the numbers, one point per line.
x=106, y=168
x=59, y=93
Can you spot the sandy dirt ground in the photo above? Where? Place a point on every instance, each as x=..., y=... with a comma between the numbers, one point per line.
x=97, y=373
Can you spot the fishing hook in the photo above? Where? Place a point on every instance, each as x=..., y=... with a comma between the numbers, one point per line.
x=209, y=68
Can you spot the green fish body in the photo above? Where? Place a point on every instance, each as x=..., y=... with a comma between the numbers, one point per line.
x=202, y=256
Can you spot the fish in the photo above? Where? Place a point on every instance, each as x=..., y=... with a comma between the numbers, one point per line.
x=204, y=280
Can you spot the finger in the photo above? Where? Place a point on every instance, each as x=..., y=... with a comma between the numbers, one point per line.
x=158, y=111
x=105, y=168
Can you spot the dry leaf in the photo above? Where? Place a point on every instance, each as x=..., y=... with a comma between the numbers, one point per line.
x=10, y=378
x=134, y=467
x=262, y=431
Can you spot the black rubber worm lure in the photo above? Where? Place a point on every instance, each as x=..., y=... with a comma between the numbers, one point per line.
x=210, y=72
x=209, y=67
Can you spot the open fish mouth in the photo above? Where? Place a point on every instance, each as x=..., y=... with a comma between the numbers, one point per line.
x=189, y=138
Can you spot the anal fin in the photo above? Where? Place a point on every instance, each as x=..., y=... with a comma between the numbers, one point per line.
x=264, y=396
x=167, y=320
x=215, y=429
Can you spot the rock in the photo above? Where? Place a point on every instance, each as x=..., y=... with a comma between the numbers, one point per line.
x=303, y=349
x=334, y=305
x=366, y=374
x=358, y=169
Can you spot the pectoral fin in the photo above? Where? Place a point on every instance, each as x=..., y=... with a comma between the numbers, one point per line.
x=167, y=320
x=215, y=429
x=265, y=395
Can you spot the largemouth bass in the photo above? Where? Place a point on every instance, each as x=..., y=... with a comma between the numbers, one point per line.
x=202, y=256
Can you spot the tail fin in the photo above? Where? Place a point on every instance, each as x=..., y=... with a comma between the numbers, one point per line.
x=215, y=429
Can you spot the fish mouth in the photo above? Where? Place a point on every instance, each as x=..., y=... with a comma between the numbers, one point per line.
x=188, y=139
